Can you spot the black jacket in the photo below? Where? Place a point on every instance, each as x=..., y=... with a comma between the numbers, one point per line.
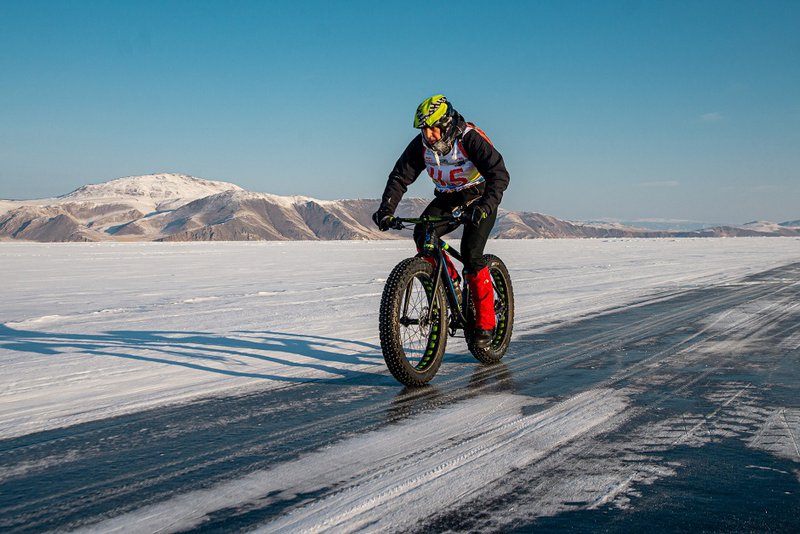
x=486, y=158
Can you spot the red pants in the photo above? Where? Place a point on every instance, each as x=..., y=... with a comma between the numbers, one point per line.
x=451, y=269
x=480, y=287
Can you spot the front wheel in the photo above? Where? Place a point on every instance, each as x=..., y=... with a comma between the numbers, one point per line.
x=413, y=323
x=503, y=311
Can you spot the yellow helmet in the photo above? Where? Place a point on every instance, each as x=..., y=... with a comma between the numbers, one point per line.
x=431, y=111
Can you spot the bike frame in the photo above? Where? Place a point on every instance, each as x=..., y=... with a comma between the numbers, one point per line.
x=437, y=247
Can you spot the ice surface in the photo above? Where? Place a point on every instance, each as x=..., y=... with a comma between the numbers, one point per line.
x=89, y=331
x=453, y=462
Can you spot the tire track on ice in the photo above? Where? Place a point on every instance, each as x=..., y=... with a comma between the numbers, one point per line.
x=625, y=463
x=650, y=320
x=410, y=466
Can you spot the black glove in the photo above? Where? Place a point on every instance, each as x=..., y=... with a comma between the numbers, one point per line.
x=383, y=219
x=474, y=215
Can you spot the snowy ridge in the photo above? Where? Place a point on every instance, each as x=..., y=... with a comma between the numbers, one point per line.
x=177, y=207
x=770, y=227
x=159, y=187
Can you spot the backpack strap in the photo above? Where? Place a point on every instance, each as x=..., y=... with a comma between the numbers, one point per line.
x=471, y=126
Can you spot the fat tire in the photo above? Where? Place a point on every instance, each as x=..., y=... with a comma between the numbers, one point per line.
x=390, y=327
x=504, y=303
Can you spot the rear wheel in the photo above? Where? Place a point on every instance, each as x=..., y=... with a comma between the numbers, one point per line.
x=413, y=338
x=503, y=312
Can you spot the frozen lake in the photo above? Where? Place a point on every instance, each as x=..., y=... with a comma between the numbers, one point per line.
x=630, y=358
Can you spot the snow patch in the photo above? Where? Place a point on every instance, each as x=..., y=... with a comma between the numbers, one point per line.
x=198, y=300
x=266, y=315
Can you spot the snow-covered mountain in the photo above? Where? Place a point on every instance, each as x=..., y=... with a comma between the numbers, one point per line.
x=654, y=224
x=156, y=192
x=176, y=207
x=770, y=227
x=93, y=212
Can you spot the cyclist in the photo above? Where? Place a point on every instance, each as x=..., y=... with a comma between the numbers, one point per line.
x=468, y=173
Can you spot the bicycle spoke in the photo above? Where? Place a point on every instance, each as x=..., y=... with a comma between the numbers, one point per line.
x=415, y=327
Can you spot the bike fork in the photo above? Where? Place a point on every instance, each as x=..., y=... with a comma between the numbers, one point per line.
x=438, y=280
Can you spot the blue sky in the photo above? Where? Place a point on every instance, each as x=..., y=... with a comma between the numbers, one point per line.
x=628, y=109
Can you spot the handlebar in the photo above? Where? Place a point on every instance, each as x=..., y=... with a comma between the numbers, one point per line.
x=399, y=223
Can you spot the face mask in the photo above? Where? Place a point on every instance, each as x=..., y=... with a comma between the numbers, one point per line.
x=445, y=144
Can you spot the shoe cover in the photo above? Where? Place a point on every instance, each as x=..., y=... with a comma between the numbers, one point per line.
x=480, y=287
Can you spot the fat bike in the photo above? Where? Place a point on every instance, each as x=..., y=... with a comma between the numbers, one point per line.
x=421, y=305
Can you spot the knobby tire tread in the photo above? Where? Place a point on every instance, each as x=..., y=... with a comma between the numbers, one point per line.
x=497, y=349
x=389, y=324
